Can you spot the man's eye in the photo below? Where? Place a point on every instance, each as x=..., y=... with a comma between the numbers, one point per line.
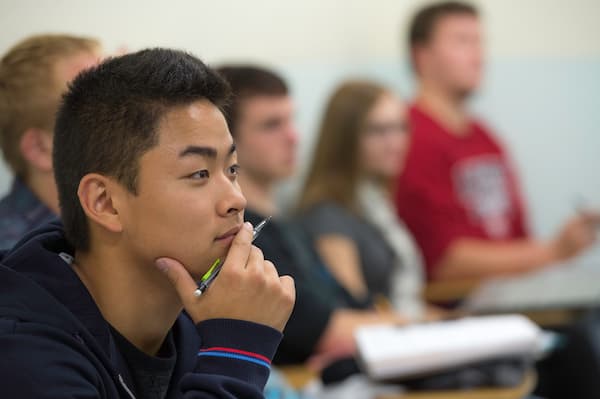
x=201, y=174
x=234, y=170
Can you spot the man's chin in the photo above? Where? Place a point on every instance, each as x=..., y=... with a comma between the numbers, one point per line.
x=465, y=93
x=199, y=269
x=286, y=171
x=469, y=89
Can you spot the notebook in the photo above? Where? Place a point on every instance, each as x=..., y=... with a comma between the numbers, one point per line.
x=391, y=352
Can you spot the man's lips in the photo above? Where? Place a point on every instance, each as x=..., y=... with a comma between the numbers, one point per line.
x=229, y=233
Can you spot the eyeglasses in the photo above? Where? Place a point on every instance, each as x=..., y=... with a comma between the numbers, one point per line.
x=384, y=128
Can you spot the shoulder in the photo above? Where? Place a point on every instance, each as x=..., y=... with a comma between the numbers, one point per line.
x=483, y=129
x=13, y=224
x=6, y=206
x=428, y=141
x=43, y=362
x=328, y=211
x=328, y=218
x=423, y=126
x=488, y=136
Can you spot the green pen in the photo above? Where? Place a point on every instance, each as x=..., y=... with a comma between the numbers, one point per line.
x=214, y=270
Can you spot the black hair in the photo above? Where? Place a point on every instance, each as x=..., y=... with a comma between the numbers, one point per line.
x=109, y=118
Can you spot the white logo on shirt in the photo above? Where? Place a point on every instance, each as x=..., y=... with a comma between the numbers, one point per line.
x=483, y=186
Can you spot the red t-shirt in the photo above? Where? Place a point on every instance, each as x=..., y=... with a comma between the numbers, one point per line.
x=456, y=186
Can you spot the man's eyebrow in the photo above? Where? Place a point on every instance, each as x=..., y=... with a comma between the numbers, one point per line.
x=209, y=152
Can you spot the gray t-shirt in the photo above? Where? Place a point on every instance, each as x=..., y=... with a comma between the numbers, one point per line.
x=377, y=260
x=151, y=374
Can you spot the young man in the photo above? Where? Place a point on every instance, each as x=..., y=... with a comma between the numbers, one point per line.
x=33, y=75
x=146, y=172
x=261, y=120
x=458, y=193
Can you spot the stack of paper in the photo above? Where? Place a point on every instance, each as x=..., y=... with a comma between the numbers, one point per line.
x=393, y=352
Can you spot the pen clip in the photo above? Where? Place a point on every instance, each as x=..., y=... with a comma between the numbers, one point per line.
x=259, y=227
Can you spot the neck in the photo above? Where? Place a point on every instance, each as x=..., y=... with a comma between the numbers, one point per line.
x=134, y=298
x=43, y=187
x=381, y=183
x=259, y=194
x=446, y=107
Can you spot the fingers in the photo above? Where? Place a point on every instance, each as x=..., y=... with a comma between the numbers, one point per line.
x=253, y=291
x=592, y=218
x=270, y=271
x=256, y=260
x=289, y=287
x=578, y=234
x=588, y=237
x=587, y=219
x=585, y=226
x=238, y=254
x=179, y=277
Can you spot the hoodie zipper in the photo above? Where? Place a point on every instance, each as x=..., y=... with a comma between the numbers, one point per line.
x=125, y=387
x=119, y=376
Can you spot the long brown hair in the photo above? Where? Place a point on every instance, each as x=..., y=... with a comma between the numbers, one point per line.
x=335, y=170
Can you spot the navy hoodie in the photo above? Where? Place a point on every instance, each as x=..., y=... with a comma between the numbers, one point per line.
x=54, y=342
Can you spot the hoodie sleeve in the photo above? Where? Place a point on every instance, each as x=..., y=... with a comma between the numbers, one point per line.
x=233, y=360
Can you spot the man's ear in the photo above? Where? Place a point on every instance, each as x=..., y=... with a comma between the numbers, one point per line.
x=36, y=149
x=99, y=196
x=421, y=55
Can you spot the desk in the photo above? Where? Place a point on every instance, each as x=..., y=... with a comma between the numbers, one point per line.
x=299, y=376
x=568, y=285
x=551, y=297
x=519, y=392
x=440, y=292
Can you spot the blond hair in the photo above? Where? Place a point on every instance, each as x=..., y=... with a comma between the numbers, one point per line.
x=29, y=91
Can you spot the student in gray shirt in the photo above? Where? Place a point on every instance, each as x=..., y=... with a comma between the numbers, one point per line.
x=346, y=205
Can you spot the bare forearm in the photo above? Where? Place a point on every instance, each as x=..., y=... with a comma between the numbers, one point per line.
x=471, y=258
x=338, y=339
x=343, y=261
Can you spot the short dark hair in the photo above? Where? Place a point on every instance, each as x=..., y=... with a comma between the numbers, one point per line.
x=249, y=81
x=424, y=22
x=109, y=118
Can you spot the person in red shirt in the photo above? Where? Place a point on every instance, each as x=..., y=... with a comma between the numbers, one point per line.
x=459, y=193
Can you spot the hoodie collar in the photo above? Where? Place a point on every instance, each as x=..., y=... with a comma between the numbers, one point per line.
x=47, y=288
x=36, y=283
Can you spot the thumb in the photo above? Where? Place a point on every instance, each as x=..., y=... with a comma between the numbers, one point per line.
x=179, y=277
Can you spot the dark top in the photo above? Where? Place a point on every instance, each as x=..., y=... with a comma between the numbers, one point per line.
x=56, y=344
x=377, y=260
x=20, y=212
x=151, y=374
x=317, y=293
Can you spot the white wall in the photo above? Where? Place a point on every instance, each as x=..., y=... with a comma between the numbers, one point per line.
x=542, y=93
x=283, y=31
